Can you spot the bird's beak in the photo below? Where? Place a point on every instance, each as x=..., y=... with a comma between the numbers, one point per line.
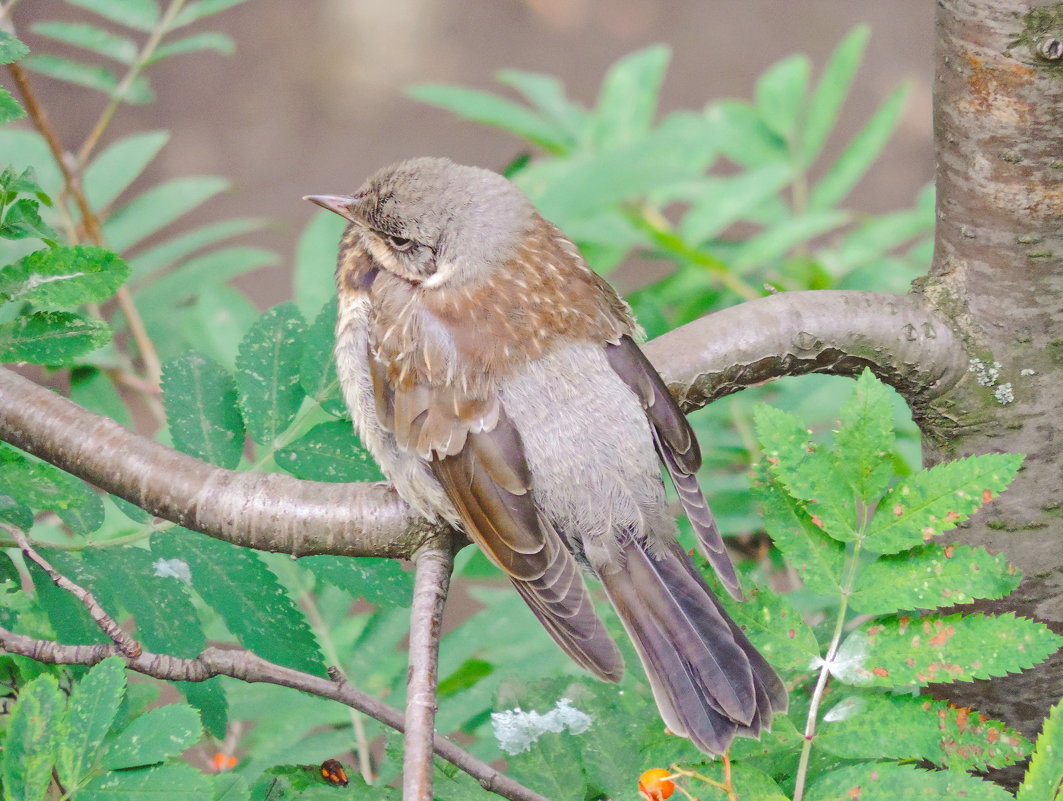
x=341, y=204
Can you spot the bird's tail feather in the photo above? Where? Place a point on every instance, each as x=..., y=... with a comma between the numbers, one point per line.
x=708, y=680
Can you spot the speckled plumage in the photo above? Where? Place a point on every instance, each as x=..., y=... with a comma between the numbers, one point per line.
x=495, y=379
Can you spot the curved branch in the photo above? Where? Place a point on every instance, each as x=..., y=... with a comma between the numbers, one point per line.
x=823, y=331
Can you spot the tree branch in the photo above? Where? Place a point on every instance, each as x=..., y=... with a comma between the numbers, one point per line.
x=794, y=333
x=249, y=667
x=433, y=562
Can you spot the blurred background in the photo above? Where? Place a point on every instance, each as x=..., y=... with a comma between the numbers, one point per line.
x=313, y=99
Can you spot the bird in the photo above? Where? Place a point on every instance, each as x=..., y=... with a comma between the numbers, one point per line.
x=497, y=381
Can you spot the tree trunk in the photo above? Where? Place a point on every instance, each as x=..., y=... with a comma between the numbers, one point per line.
x=997, y=278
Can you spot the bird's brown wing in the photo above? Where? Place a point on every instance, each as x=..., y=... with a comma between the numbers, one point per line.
x=678, y=448
x=476, y=453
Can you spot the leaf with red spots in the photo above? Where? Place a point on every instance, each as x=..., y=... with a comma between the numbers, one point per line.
x=906, y=651
x=909, y=727
x=936, y=500
x=887, y=781
x=930, y=577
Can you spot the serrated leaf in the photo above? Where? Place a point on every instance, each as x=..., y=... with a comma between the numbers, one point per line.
x=202, y=409
x=10, y=109
x=86, y=517
x=177, y=781
x=1044, y=778
x=627, y=100
x=153, y=737
x=203, y=8
x=885, y=781
x=238, y=585
x=315, y=262
x=831, y=91
x=268, y=372
x=177, y=248
x=912, y=728
x=111, y=172
x=22, y=220
x=90, y=712
x=91, y=38
x=905, y=651
x=11, y=49
x=209, y=40
x=158, y=207
x=38, y=484
x=930, y=577
x=209, y=698
x=329, y=452
x=379, y=581
x=489, y=109
x=90, y=76
x=30, y=739
x=722, y=202
x=864, y=441
x=936, y=500
x=317, y=369
x=63, y=276
x=51, y=338
x=142, y=15
x=858, y=155
x=780, y=94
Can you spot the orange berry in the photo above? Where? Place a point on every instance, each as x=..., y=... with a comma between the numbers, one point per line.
x=656, y=784
x=221, y=762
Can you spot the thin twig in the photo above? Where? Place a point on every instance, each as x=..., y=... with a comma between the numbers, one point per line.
x=433, y=562
x=89, y=220
x=248, y=667
x=125, y=644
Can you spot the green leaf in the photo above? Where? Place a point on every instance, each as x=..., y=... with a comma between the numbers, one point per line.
x=11, y=49
x=905, y=651
x=22, y=220
x=153, y=737
x=29, y=744
x=158, y=207
x=317, y=369
x=51, y=338
x=380, y=581
x=15, y=513
x=884, y=781
x=831, y=91
x=177, y=248
x=202, y=409
x=548, y=94
x=90, y=712
x=204, y=8
x=315, y=262
x=63, y=276
x=743, y=136
x=1044, y=778
x=724, y=201
x=142, y=15
x=210, y=40
x=10, y=109
x=86, y=517
x=38, y=484
x=180, y=782
x=111, y=172
x=777, y=240
x=329, y=452
x=238, y=585
x=220, y=320
x=200, y=272
x=209, y=698
x=864, y=441
x=90, y=37
x=912, y=728
x=489, y=109
x=90, y=76
x=268, y=372
x=627, y=100
x=780, y=95
x=930, y=577
x=858, y=155
x=95, y=390
x=937, y=500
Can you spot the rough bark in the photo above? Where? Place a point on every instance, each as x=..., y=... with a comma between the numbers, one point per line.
x=997, y=277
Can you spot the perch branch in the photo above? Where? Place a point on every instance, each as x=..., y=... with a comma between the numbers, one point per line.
x=432, y=562
x=248, y=667
x=794, y=333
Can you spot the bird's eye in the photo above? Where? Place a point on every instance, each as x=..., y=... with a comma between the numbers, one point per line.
x=400, y=243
